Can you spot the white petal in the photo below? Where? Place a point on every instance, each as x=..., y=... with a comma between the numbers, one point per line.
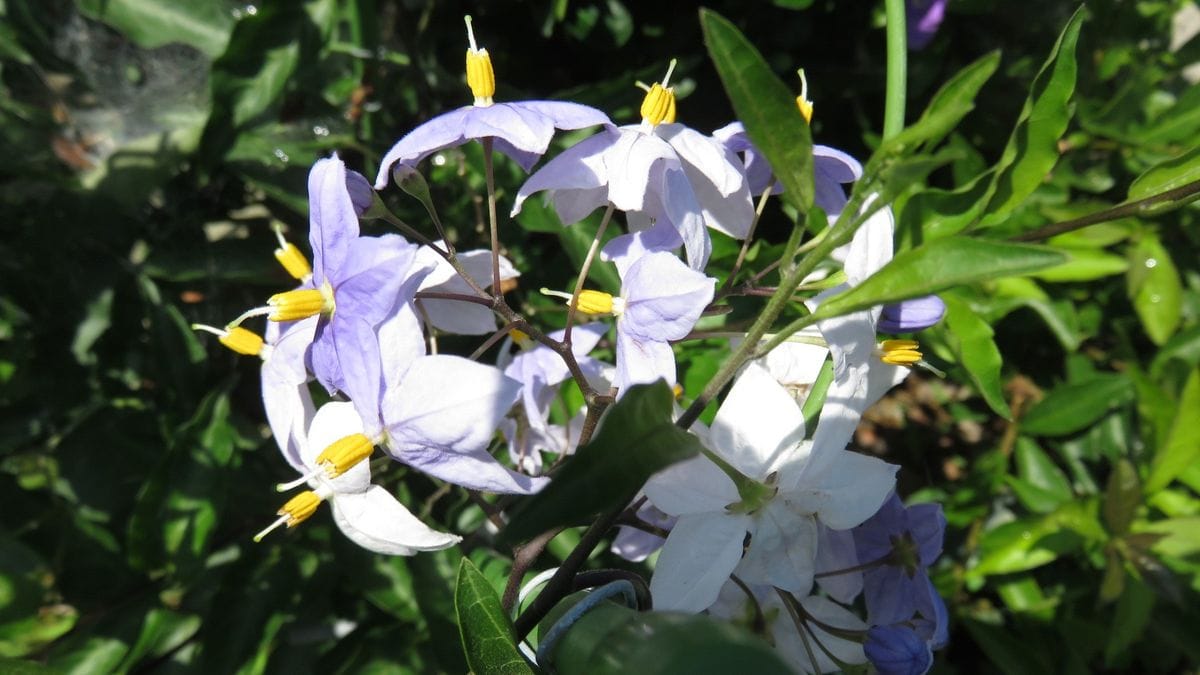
x=792, y=646
x=692, y=486
x=697, y=559
x=378, y=522
x=844, y=491
x=783, y=550
x=334, y=421
x=449, y=402
x=758, y=425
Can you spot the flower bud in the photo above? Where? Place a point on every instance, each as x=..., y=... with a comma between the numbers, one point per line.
x=909, y=316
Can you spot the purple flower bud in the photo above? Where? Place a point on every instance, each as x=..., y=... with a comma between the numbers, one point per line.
x=910, y=316
x=924, y=17
x=361, y=193
x=897, y=650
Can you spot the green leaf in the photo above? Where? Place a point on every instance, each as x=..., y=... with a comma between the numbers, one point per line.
x=1060, y=317
x=1084, y=264
x=635, y=440
x=1122, y=497
x=1165, y=176
x=487, y=634
x=766, y=106
x=946, y=109
x=98, y=318
x=1154, y=288
x=1182, y=446
x=971, y=339
x=1177, y=537
x=1050, y=487
x=203, y=24
x=614, y=640
x=538, y=216
x=938, y=265
x=1032, y=150
x=1130, y=619
x=1027, y=543
x=1073, y=407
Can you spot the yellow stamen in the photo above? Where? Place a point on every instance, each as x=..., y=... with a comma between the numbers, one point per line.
x=293, y=261
x=242, y=341
x=238, y=339
x=301, y=303
x=899, y=352
x=480, y=76
x=595, y=302
x=806, y=106
x=297, y=510
x=521, y=338
x=658, y=105
x=677, y=389
x=344, y=453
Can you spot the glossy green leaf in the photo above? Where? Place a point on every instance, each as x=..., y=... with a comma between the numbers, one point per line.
x=946, y=109
x=1032, y=150
x=1023, y=595
x=612, y=640
x=971, y=338
x=1122, y=497
x=765, y=105
x=1047, y=485
x=1070, y=408
x=1182, y=446
x=937, y=266
x=635, y=440
x=1084, y=264
x=1165, y=176
x=1154, y=288
x=1177, y=537
x=203, y=24
x=487, y=633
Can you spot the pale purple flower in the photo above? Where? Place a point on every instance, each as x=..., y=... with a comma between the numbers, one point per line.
x=440, y=417
x=540, y=369
x=910, y=316
x=668, y=173
x=522, y=130
x=661, y=300
x=363, y=280
x=924, y=18
x=832, y=169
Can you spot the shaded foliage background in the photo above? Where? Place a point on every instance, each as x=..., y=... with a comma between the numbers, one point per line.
x=151, y=146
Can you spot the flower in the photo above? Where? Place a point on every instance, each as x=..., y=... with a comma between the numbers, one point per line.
x=897, y=650
x=797, y=626
x=462, y=318
x=540, y=370
x=910, y=316
x=924, y=18
x=771, y=484
x=905, y=542
x=657, y=169
x=367, y=514
x=661, y=300
x=440, y=417
x=522, y=130
x=832, y=168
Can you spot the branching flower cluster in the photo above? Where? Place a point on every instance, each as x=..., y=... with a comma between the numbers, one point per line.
x=775, y=524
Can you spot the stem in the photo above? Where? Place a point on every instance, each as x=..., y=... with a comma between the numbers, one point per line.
x=1120, y=211
x=487, y=344
x=897, y=68
x=737, y=264
x=583, y=272
x=523, y=558
x=493, y=220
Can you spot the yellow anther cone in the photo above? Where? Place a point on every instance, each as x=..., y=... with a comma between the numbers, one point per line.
x=344, y=453
x=595, y=302
x=242, y=341
x=658, y=106
x=900, y=352
x=293, y=261
x=298, y=304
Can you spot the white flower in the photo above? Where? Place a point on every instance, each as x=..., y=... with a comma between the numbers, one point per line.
x=367, y=514
x=786, y=487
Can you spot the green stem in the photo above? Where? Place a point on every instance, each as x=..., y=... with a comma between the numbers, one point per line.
x=897, y=68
